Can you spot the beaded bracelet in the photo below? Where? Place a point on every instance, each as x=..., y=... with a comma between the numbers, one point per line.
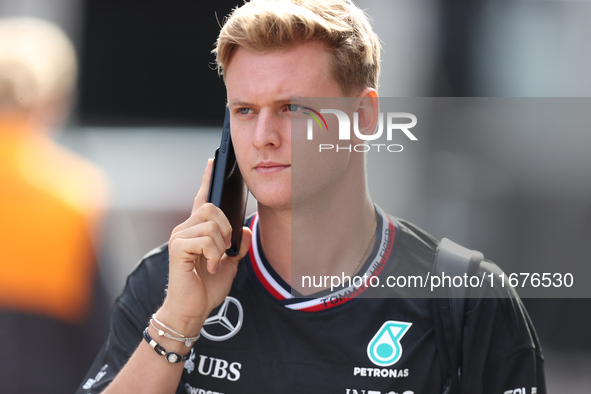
x=171, y=357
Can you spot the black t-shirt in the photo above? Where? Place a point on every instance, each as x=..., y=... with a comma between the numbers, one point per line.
x=262, y=339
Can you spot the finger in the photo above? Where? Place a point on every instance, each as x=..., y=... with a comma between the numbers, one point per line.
x=209, y=228
x=207, y=212
x=201, y=197
x=184, y=251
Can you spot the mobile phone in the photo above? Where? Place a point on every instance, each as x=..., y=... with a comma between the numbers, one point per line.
x=227, y=189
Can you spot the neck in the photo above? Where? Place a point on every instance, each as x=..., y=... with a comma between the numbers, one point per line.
x=329, y=237
x=275, y=233
x=15, y=122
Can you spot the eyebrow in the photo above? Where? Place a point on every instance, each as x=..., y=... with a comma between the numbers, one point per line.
x=240, y=103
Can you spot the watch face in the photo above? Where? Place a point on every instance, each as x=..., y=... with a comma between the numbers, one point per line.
x=172, y=358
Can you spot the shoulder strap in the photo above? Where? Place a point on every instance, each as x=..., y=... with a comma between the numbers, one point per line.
x=453, y=260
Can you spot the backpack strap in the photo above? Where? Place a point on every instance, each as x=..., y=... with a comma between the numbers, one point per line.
x=452, y=260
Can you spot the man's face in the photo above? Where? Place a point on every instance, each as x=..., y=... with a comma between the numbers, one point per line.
x=260, y=88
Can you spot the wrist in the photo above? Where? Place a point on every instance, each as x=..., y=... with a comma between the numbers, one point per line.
x=186, y=325
x=168, y=344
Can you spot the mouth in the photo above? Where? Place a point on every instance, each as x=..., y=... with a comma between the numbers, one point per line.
x=270, y=167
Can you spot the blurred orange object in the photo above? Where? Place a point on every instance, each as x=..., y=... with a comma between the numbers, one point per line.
x=51, y=202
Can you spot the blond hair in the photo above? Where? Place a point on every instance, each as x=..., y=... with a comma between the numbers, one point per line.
x=37, y=63
x=260, y=26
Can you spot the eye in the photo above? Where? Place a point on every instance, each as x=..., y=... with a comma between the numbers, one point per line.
x=293, y=107
x=244, y=110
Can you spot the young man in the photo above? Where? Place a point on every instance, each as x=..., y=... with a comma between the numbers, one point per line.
x=263, y=339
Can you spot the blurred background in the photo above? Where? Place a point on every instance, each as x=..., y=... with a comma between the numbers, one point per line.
x=148, y=106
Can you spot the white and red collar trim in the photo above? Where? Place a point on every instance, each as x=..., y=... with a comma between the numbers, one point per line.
x=263, y=273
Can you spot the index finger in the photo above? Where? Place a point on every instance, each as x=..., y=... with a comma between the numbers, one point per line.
x=201, y=197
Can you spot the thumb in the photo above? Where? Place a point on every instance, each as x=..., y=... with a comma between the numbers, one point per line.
x=245, y=244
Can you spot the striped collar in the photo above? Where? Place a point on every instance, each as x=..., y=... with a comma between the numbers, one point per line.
x=272, y=284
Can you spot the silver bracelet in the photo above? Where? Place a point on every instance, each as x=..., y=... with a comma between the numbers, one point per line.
x=165, y=326
x=182, y=338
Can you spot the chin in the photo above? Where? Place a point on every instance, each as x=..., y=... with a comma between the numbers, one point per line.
x=273, y=198
x=272, y=193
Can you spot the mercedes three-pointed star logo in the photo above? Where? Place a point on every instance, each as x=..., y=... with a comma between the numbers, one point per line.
x=220, y=319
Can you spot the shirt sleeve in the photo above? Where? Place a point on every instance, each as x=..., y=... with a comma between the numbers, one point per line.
x=502, y=353
x=143, y=294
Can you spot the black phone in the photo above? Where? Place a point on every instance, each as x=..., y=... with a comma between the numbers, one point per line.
x=227, y=189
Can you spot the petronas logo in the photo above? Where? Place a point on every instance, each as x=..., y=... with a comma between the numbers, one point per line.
x=384, y=348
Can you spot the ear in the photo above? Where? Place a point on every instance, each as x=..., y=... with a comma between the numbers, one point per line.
x=368, y=110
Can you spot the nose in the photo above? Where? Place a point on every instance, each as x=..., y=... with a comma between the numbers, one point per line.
x=267, y=131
